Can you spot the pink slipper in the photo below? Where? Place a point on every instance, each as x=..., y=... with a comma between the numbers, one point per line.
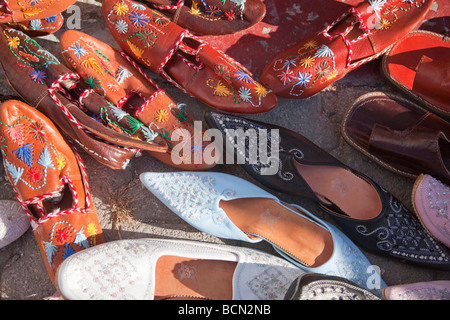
x=431, y=290
x=431, y=199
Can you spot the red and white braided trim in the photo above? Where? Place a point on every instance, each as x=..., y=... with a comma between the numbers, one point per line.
x=8, y=12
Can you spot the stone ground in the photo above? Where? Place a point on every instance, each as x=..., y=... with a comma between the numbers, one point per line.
x=127, y=210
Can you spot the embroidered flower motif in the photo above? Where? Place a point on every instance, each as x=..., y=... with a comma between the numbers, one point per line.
x=25, y=153
x=52, y=19
x=77, y=50
x=34, y=175
x=162, y=115
x=311, y=44
x=307, y=62
x=139, y=19
x=222, y=72
x=220, y=89
x=213, y=11
x=245, y=94
x=165, y=135
x=261, y=91
x=92, y=229
x=122, y=74
x=194, y=9
x=290, y=63
x=384, y=24
x=92, y=63
x=147, y=37
x=120, y=8
x=14, y=172
x=13, y=42
x=138, y=52
x=323, y=52
x=303, y=79
x=92, y=82
x=63, y=235
x=16, y=133
x=286, y=76
x=38, y=76
x=68, y=251
x=38, y=131
x=243, y=76
x=198, y=147
x=60, y=162
x=35, y=24
x=377, y=5
x=230, y=15
x=159, y=20
x=45, y=158
x=121, y=26
x=134, y=124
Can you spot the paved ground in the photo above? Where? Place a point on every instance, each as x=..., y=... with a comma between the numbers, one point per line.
x=127, y=210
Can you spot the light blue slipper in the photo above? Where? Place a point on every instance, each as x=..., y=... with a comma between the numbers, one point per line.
x=251, y=214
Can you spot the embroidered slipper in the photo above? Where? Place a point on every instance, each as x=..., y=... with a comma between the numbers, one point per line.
x=123, y=83
x=229, y=207
x=184, y=60
x=397, y=134
x=19, y=11
x=430, y=199
x=211, y=17
x=69, y=100
x=156, y=269
x=50, y=183
x=13, y=222
x=39, y=27
x=419, y=65
x=360, y=35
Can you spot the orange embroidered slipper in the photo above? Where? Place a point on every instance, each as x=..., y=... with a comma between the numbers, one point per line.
x=50, y=183
x=212, y=17
x=39, y=27
x=19, y=11
x=419, y=65
x=360, y=35
x=123, y=83
x=186, y=61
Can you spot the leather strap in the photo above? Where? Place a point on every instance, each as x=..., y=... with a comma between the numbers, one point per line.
x=433, y=79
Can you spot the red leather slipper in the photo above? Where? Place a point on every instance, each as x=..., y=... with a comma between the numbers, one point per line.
x=419, y=65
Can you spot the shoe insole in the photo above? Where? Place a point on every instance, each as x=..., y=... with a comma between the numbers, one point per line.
x=352, y=194
x=268, y=219
x=185, y=278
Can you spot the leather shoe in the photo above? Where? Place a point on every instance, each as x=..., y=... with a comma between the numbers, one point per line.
x=123, y=83
x=397, y=134
x=50, y=183
x=39, y=27
x=184, y=60
x=366, y=212
x=209, y=17
x=155, y=269
x=360, y=35
x=426, y=290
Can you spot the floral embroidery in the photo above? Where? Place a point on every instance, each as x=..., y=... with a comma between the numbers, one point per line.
x=120, y=8
x=146, y=37
x=51, y=19
x=162, y=115
x=92, y=82
x=78, y=50
x=3, y=145
x=139, y=19
x=25, y=154
x=121, y=26
x=92, y=63
x=45, y=158
x=16, y=133
x=34, y=175
x=13, y=42
x=165, y=135
x=243, y=76
x=60, y=162
x=38, y=131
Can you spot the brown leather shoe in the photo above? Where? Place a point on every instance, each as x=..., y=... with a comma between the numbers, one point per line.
x=212, y=17
x=129, y=89
x=65, y=97
x=39, y=27
x=19, y=10
x=50, y=183
x=397, y=134
x=184, y=60
x=358, y=36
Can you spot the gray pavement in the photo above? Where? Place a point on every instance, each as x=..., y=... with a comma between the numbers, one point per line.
x=127, y=210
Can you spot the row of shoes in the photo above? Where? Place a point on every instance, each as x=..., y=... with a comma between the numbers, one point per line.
x=105, y=102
